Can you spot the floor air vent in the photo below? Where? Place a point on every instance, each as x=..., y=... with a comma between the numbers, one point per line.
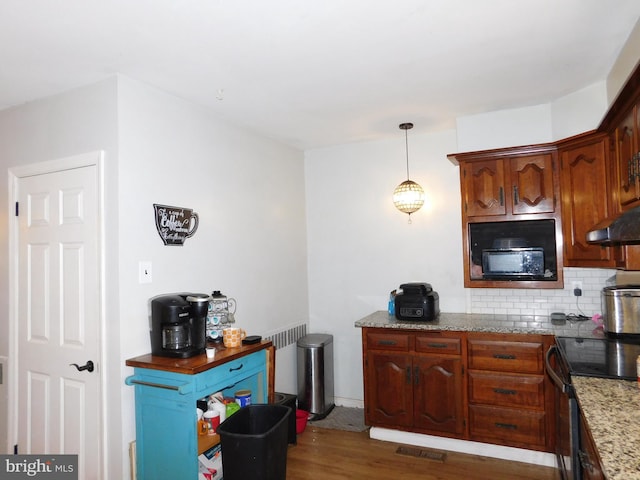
x=422, y=453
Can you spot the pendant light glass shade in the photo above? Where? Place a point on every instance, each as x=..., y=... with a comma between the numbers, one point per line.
x=408, y=197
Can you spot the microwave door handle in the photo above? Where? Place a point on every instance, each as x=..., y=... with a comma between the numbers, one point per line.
x=553, y=350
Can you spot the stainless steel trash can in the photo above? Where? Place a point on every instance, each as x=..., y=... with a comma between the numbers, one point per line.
x=315, y=374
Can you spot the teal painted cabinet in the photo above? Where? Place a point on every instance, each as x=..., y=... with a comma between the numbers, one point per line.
x=166, y=391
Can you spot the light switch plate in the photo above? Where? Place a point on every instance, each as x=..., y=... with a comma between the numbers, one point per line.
x=144, y=272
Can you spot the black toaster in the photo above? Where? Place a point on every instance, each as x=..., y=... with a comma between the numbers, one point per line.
x=416, y=301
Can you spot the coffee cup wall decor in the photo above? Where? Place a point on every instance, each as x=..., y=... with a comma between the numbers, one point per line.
x=175, y=224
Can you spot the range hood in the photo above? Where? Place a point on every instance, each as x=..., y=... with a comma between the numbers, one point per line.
x=622, y=229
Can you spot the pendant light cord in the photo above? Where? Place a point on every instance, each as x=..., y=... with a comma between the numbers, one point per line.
x=406, y=149
x=405, y=127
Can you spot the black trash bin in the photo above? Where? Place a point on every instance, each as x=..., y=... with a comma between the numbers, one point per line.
x=291, y=401
x=254, y=443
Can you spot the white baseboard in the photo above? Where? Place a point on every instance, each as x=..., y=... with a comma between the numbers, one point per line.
x=464, y=446
x=348, y=402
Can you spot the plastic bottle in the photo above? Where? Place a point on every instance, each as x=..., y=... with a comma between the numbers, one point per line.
x=392, y=303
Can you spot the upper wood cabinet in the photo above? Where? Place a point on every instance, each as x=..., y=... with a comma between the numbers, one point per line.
x=577, y=182
x=627, y=159
x=585, y=189
x=506, y=183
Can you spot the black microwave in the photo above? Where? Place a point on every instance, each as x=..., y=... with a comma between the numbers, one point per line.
x=519, y=262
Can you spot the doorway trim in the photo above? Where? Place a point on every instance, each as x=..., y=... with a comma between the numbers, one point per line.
x=94, y=158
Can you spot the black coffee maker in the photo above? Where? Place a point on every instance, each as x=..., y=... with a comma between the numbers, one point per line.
x=178, y=324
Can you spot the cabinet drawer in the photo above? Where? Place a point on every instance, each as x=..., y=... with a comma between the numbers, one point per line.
x=507, y=426
x=388, y=341
x=507, y=390
x=438, y=344
x=519, y=357
x=230, y=373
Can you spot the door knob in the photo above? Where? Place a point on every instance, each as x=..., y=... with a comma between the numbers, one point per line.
x=86, y=366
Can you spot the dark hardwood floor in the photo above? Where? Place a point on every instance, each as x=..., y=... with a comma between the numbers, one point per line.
x=333, y=454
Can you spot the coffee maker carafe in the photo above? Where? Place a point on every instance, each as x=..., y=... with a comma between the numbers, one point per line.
x=178, y=324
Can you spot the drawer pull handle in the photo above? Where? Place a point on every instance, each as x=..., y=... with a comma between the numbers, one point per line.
x=437, y=345
x=387, y=342
x=508, y=426
x=504, y=356
x=183, y=389
x=236, y=368
x=504, y=391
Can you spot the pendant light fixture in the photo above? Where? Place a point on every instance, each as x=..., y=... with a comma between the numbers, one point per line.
x=408, y=197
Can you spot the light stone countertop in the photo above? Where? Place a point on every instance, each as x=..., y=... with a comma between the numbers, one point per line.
x=612, y=411
x=471, y=322
x=610, y=407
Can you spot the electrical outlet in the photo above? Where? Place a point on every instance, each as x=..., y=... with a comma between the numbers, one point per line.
x=144, y=272
x=576, y=288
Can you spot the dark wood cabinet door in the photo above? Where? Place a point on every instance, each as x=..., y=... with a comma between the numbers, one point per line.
x=626, y=147
x=585, y=202
x=438, y=401
x=389, y=389
x=531, y=187
x=484, y=188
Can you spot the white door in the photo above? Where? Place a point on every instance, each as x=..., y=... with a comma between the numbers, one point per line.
x=58, y=316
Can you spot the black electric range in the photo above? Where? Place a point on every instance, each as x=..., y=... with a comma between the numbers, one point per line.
x=609, y=357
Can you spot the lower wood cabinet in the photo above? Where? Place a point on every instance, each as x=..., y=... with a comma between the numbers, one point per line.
x=588, y=454
x=508, y=404
x=420, y=389
x=484, y=387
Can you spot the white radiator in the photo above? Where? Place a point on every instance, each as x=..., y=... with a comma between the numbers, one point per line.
x=288, y=336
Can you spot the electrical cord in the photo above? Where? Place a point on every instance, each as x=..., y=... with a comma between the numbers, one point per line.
x=572, y=317
x=580, y=317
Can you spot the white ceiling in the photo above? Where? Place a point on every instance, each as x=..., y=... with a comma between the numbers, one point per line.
x=314, y=73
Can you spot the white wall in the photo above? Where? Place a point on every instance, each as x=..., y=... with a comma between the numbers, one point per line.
x=251, y=242
x=565, y=117
x=248, y=191
x=579, y=111
x=64, y=125
x=505, y=128
x=361, y=247
x=625, y=64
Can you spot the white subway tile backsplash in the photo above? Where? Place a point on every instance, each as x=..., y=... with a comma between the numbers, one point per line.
x=545, y=301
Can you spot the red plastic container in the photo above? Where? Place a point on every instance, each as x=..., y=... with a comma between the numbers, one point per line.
x=301, y=420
